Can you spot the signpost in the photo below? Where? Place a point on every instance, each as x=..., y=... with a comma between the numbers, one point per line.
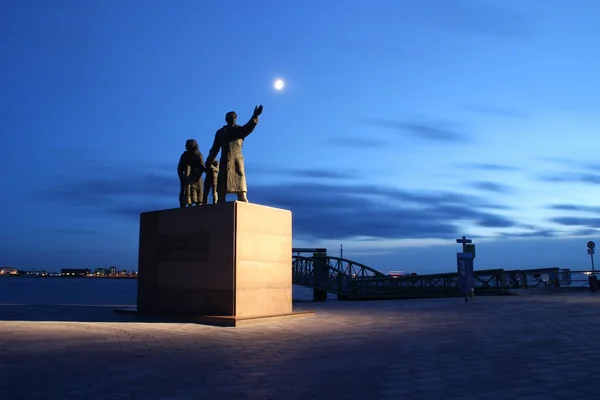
x=464, y=242
x=593, y=279
x=466, y=275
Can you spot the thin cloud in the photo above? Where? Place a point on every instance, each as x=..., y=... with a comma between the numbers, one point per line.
x=356, y=142
x=553, y=178
x=559, y=160
x=574, y=165
x=491, y=187
x=321, y=209
x=572, y=207
x=422, y=130
x=575, y=177
x=495, y=221
x=578, y=221
x=586, y=232
x=492, y=167
x=303, y=173
x=540, y=233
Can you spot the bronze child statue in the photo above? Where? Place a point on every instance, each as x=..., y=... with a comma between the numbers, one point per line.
x=190, y=169
x=210, y=182
x=230, y=140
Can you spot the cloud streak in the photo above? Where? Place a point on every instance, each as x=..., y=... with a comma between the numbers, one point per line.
x=492, y=167
x=422, y=130
x=572, y=207
x=537, y=233
x=303, y=173
x=578, y=221
x=491, y=187
x=575, y=177
x=344, y=209
x=356, y=142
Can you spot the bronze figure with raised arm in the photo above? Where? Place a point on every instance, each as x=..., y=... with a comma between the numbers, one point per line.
x=230, y=140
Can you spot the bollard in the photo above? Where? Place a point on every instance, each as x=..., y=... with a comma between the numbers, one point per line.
x=319, y=295
x=593, y=280
x=321, y=271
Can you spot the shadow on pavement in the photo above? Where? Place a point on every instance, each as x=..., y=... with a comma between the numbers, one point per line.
x=80, y=313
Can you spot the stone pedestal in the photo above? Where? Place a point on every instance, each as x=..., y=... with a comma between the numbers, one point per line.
x=222, y=263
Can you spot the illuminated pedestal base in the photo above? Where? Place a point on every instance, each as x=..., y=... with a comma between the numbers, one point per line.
x=224, y=263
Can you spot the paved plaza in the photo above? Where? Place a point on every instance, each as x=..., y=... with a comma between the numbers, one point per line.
x=528, y=347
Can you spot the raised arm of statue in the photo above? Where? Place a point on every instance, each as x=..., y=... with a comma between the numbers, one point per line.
x=247, y=129
x=214, y=150
x=243, y=131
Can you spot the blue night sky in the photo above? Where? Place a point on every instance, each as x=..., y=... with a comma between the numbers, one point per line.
x=403, y=124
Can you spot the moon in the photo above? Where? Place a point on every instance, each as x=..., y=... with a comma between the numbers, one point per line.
x=279, y=84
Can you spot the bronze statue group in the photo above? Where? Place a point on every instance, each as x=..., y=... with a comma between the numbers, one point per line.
x=225, y=176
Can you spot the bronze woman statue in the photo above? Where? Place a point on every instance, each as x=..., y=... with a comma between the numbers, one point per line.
x=190, y=169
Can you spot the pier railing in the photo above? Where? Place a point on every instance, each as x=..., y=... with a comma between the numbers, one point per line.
x=352, y=280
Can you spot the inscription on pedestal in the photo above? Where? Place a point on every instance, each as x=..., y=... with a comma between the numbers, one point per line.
x=189, y=247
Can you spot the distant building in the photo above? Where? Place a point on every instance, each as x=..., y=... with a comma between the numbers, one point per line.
x=8, y=271
x=75, y=272
x=113, y=271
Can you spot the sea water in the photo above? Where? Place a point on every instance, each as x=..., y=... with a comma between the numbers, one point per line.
x=83, y=291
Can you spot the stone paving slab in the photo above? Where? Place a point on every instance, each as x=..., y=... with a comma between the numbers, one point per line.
x=494, y=348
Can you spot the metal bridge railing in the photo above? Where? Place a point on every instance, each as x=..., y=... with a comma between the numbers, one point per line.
x=354, y=280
